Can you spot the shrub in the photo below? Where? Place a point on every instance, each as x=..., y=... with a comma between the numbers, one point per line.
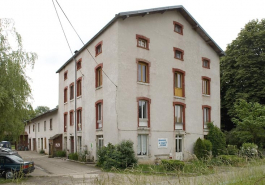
x=232, y=150
x=230, y=159
x=171, y=165
x=217, y=138
x=73, y=156
x=202, y=148
x=119, y=156
x=82, y=156
x=249, y=150
x=60, y=153
x=42, y=151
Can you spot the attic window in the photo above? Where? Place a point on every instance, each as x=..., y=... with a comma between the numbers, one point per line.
x=98, y=48
x=79, y=64
x=206, y=63
x=65, y=75
x=142, y=42
x=178, y=28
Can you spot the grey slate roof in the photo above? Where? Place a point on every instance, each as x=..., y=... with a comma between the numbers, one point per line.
x=123, y=15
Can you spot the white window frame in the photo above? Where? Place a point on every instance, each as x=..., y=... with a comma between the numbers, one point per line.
x=143, y=121
x=206, y=117
x=179, y=125
x=142, y=140
x=99, y=121
x=142, y=43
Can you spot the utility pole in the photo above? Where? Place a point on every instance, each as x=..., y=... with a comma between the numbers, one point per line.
x=75, y=138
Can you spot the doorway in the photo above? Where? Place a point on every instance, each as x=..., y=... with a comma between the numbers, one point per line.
x=179, y=147
x=72, y=144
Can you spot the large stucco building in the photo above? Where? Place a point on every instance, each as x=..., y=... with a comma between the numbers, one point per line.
x=151, y=76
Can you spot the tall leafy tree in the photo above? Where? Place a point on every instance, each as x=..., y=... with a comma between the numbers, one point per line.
x=243, y=70
x=14, y=87
x=41, y=109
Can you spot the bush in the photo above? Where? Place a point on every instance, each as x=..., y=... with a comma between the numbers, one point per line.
x=82, y=156
x=73, y=156
x=171, y=165
x=249, y=150
x=42, y=151
x=230, y=159
x=232, y=150
x=119, y=156
x=60, y=153
x=202, y=148
x=217, y=138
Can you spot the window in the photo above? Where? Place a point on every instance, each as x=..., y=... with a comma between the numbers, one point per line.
x=98, y=74
x=179, y=82
x=65, y=94
x=71, y=117
x=45, y=143
x=79, y=119
x=205, y=62
x=100, y=142
x=142, y=42
x=143, y=112
x=33, y=128
x=206, y=115
x=143, y=70
x=65, y=75
x=178, y=28
x=44, y=125
x=71, y=86
x=179, y=116
x=29, y=129
x=206, y=85
x=79, y=64
x=65, y=122
x=98, y=48
x=142, y=145
x=178, y=53
x=79, y=86
x=79, y=143
x=50, y=124
x=38, y=127
x=99, y=114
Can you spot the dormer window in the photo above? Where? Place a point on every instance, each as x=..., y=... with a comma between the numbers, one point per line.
x=142, y=42
x=98, y=48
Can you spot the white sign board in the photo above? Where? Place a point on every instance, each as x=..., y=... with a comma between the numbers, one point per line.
x=162, y=142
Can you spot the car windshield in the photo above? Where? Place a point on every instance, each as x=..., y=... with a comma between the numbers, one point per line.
x=15, y=158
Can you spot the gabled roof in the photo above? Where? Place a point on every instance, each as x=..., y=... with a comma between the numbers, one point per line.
x=45, y=113
x=123, y=15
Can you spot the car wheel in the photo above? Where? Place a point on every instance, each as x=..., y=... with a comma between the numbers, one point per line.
x=9, y=175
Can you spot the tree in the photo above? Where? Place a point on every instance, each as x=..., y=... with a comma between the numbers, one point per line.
x=41, y=109
x=217, y=138
x=250, y=122
x=14, y=88
x=242, y=70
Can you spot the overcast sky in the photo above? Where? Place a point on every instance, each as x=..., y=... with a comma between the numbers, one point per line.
x=39, y=27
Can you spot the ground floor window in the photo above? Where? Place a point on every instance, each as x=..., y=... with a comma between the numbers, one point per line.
x=142, y=145
x=100, y=142
x=178, y=143
x=79, y=143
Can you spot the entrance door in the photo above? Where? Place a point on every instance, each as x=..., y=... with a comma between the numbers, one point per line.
x=29, y=144
x=41, y=144
x=34, y=144
x=179, y=154
x=72, y=144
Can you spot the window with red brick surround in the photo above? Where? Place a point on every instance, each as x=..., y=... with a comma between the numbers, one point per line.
x=178, y=28
x=179, y=116
x=99, y=114
x=142, y=41
x=65, y=75
x=79, y=64
x=71, y=87
x=143, y=117
x=178, y=82
x=98, y=48
x=79, y=86
x=65, y=94
x=206, y=62
x=98, y=75
x=206, y=115
x=65, y=121
x=206, y=85
x=143, y=70
x=71, y=112
x=79, y=119
x=178, y=53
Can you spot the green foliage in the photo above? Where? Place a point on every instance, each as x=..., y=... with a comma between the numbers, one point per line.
x=60, y=153
x=14, y=87
x=232, y=150
x=202, y=148
x=250, y=122
x=82, y=156
x=231, y=159
x=249, y=150
x=42, y=151
x=118, y=156
x=73, y=156
x=171, y=165
x=41, y=109
x=242, y=69
x=217, y=138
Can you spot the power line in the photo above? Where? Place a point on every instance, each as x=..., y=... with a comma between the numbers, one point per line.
x=84, y=43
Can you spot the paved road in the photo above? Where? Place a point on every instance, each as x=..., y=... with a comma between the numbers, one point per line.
x=58, y=171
